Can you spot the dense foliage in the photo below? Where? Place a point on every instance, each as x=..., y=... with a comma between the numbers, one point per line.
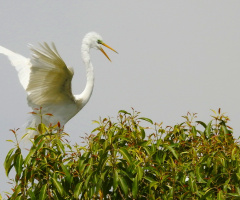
x=126, y=160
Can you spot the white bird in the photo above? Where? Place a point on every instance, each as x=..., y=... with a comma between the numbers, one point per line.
x=47, y=80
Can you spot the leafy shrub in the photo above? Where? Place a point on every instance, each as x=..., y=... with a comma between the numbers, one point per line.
x=125, y=160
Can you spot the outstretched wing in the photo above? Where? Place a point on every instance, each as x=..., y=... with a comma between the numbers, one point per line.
x=50, y=78
x=21, y=64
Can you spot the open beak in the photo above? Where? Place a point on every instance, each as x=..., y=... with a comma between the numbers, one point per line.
x=101, y=49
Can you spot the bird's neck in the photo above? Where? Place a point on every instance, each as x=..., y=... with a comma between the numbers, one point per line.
x=84, y=97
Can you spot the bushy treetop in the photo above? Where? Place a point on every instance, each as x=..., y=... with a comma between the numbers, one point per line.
x=128, y=160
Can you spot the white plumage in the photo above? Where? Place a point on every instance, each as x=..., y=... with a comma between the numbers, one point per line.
x=47, y=80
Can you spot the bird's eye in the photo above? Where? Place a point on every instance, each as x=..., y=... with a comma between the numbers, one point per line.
x=99, y=42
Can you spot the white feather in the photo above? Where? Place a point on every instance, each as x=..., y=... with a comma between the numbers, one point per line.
x=21, y=64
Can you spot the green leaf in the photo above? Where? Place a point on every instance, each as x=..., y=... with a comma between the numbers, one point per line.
x=60, y=145
x=30, y=128
x=202, y=123
x=115, y=180
x=81, y=164
x=194, y=131
x=10, y=141
x=95, y=121
x=42, y=128
x=146, y=119
x=40, y=145
x=220, y=195
x=78, y=190
x=225, y=130
x=139, y=172
x=122, y=138
x=43, y=192
x=103, y=160
x=191, y=183
x=68, y=176
x=135, y=187
x=209, y=192
x=86, y=186
x=91, y=192
x=209, y=162
x=89, y=166
x=172, y=150
x=143, y=133
x=234, y=194
x=148, y=178
x=237, y=189
x=123, y=111
x=123, y=185
x=99, y=185
x=147, y=150
x=225, y=186
x=16, y=192
x=8, y=161
x=9, y=154
x=199, y=178
x=18, y=164
x=208, y=129
x=31, y=194
x=25, y=135
x=233, y=155
x=154, y=184
x=126, y=155
x=56, y=195
x=29, y=156
x=58, y=186
x=20, y=197
x=37, y=139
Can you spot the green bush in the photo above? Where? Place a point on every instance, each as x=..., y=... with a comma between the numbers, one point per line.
x=126, y=160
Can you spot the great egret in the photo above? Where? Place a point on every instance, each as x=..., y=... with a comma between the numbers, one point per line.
x=47, y=80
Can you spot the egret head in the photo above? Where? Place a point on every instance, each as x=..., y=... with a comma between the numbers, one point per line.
x=94, y=40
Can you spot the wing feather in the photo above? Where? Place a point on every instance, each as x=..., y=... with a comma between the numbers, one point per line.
x=50, y=78
x=21, y=64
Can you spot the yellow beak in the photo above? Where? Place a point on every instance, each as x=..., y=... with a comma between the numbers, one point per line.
x=101, y=49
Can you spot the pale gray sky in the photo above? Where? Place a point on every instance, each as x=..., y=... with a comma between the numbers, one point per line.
x=174, y=57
